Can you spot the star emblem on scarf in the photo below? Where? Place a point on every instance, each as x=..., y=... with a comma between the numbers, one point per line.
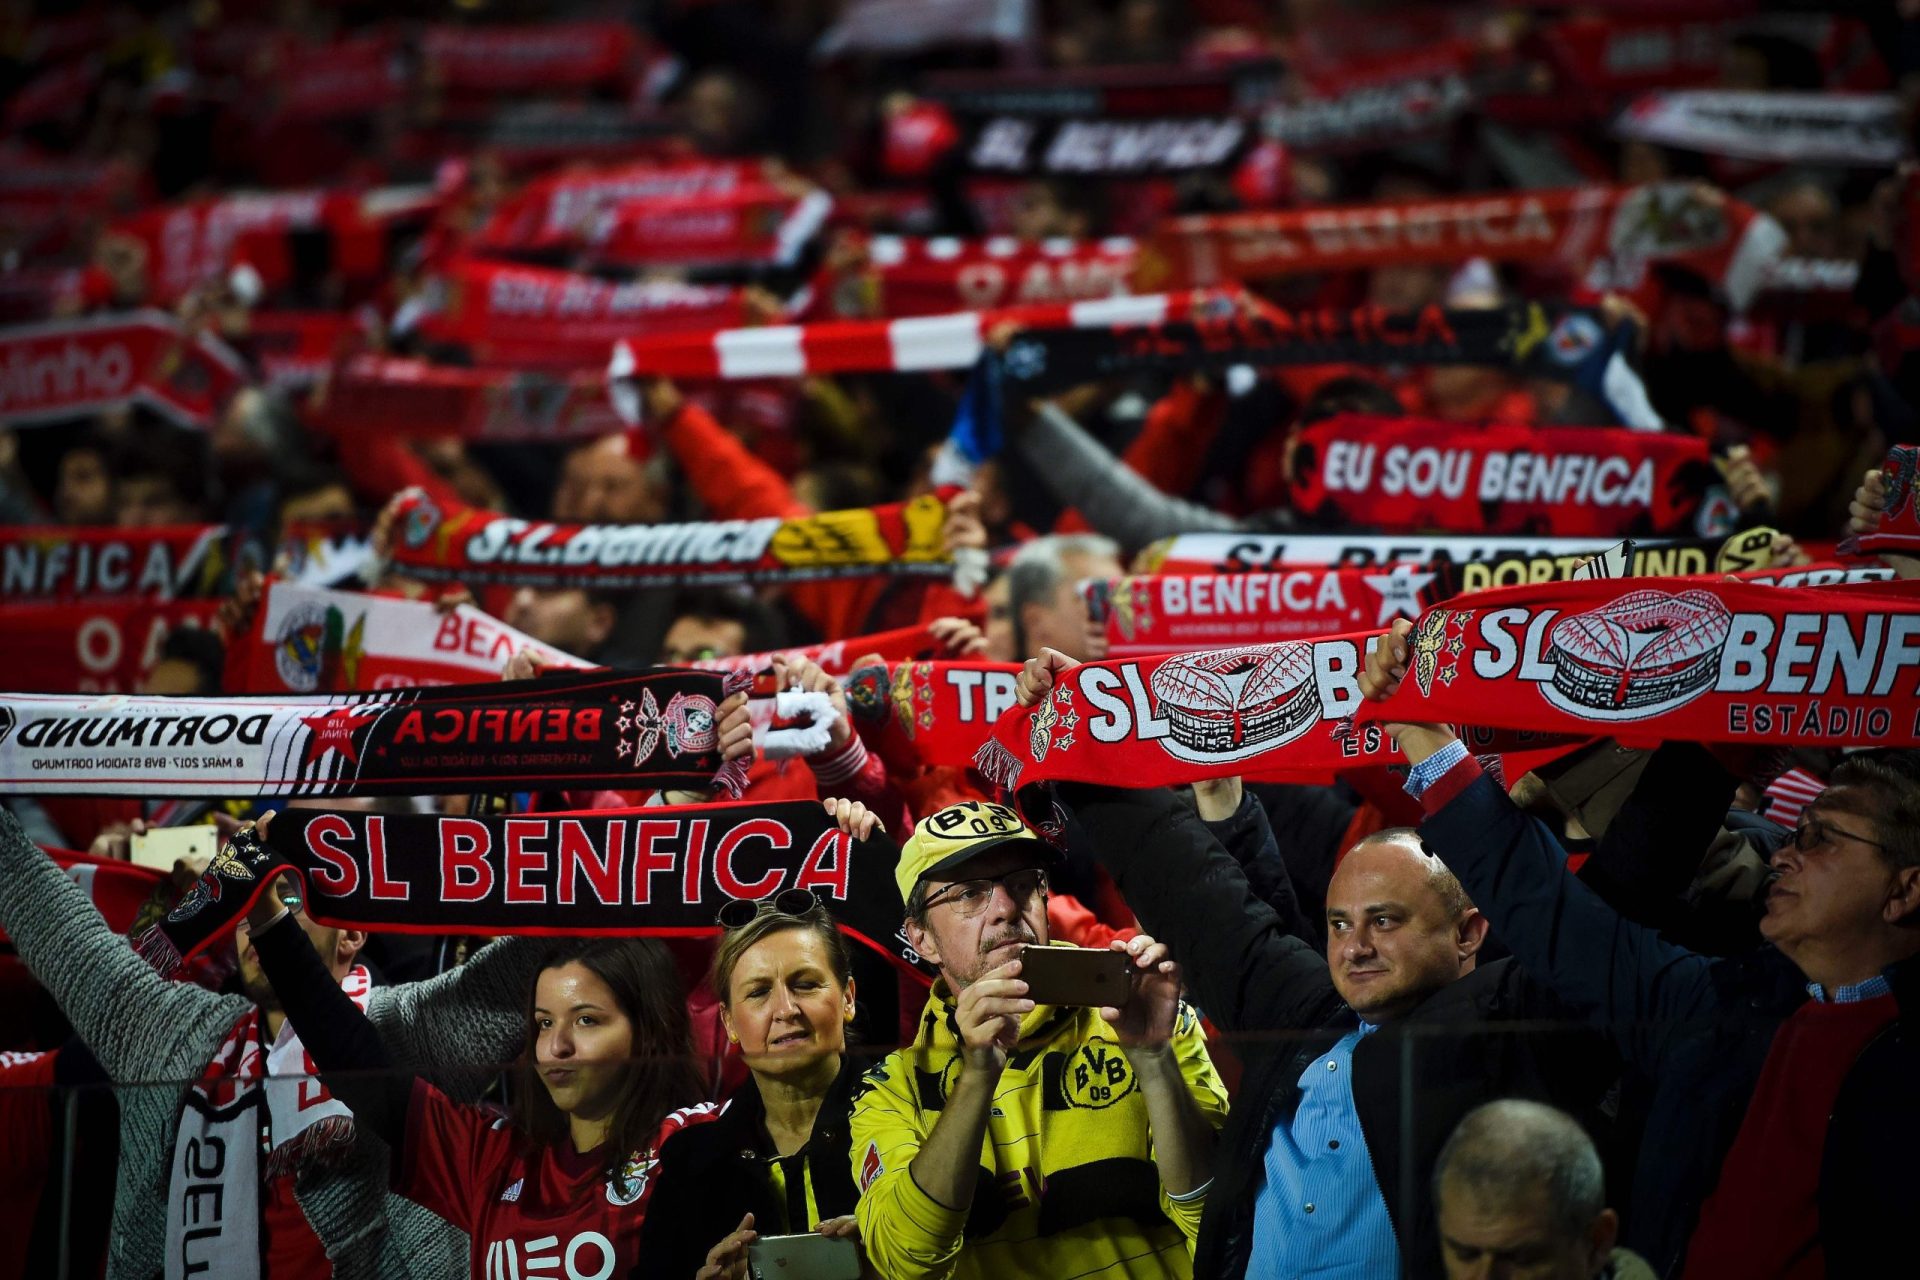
x=1399, y=590
x=333, y=730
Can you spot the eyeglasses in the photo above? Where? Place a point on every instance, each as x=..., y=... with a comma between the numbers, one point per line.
x=1814, y=832
x=970, y=897
x=738, y=913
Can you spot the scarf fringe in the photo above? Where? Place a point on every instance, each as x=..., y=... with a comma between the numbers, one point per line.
x=158, y=950
x=322, y=1142
x=998, y=765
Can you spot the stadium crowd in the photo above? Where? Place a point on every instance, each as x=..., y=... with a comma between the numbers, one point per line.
x=959, y=638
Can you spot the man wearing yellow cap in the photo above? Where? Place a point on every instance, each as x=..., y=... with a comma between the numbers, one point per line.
x=1016, y=1139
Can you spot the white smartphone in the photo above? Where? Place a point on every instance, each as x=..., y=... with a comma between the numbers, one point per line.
x=808, y=1257
x=163, y=846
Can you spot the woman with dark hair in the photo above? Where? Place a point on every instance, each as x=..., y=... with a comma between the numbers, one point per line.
x=608, y=1058
x=776, y=1160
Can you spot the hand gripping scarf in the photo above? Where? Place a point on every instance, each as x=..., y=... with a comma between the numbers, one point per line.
x=312, y=640
x=1897, y=529
x=1565, y=343
x=1396, y=474
x=217, y=1143
x=1646, y=662
x=929, y=714
x=659, y=872
x=645, y=730
x=835, y=657
x=474, y=546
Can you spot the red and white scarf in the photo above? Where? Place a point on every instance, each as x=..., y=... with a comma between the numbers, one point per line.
x=248, y=1090
x=919, y=276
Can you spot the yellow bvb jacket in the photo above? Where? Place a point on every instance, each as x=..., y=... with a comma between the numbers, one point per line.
x=1067, y=1184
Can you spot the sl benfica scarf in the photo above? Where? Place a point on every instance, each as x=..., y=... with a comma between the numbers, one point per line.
x=1710, y=661
x=1658, y=222
x=243, y=1087
x=1898, y=528
x=514, y=315
x=617, y=730
x=1279, y=712
x=1821, y=127
x=920, y=344
x=761, y=224
x=1169, y=613
x=312, y=640
x=1542, y=341
x=474, y=546
x=70, y=368
x=918, y=276
x=50, y=563
x=1398, y=474
x=661, y=872
x=387, y=396
x=1250, y=552
x=107, y=646
x=835, y=657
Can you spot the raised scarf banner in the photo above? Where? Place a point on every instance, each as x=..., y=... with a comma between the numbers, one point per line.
x=101, y=646
x=1266, y=552
x=1270, y=711
x=54, y=563
x=516, y=315
x=931, y=714
x=1897, y=529
x=1706, y=661
x=313, y=640
x=392, y=396
x=1719, y=237
x=1378, y=107
x=71, y=368
x=917, y=344
x=760, y=224
x=1110, y=122
x=473, y=546
x=660, y=872
x=1398, y=474
x=1817, y=127
x=1171, y=613
x=559, y=211
x=921, y=275
x=535, y=58
x=835, y=657
x=1528, y=338
x=642, y=730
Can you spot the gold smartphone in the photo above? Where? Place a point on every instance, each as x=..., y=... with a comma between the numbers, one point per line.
x=1076, y=976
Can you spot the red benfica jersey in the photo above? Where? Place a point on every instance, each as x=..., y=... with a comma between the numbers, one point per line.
x=534, y=1213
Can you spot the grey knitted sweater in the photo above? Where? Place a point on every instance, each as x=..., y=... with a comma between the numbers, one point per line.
x=154, y=1036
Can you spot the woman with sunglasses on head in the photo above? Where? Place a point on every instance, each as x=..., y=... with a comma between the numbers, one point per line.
x=776, y=1160
x=562, y=1190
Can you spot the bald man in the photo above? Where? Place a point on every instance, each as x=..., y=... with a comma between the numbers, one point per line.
x=1521, y=1196
x=1384, y=1042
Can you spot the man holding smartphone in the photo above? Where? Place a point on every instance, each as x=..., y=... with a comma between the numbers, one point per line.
x=1016, y=1137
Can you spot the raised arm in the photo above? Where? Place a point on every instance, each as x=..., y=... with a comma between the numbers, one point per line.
x=1114, y=499
x=139, y=1025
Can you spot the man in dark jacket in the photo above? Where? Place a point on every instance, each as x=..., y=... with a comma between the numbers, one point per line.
x=1394, y=1034
x=1781, y=1130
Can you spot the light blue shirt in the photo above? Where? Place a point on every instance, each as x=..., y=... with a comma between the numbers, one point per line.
x=1872, y=989
x=1320, y=1212
x=1433, y=768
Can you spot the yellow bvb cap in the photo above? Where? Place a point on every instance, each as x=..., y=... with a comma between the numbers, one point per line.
x=943, y=841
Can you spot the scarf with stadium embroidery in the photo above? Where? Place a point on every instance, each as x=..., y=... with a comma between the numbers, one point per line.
x=658, y=872
x=1397, y=474
x=1650, y=661
x=1897, y=528
x=631, y=730
x=469, y=545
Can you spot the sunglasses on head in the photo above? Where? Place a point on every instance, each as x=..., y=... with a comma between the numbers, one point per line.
x=738, y=913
